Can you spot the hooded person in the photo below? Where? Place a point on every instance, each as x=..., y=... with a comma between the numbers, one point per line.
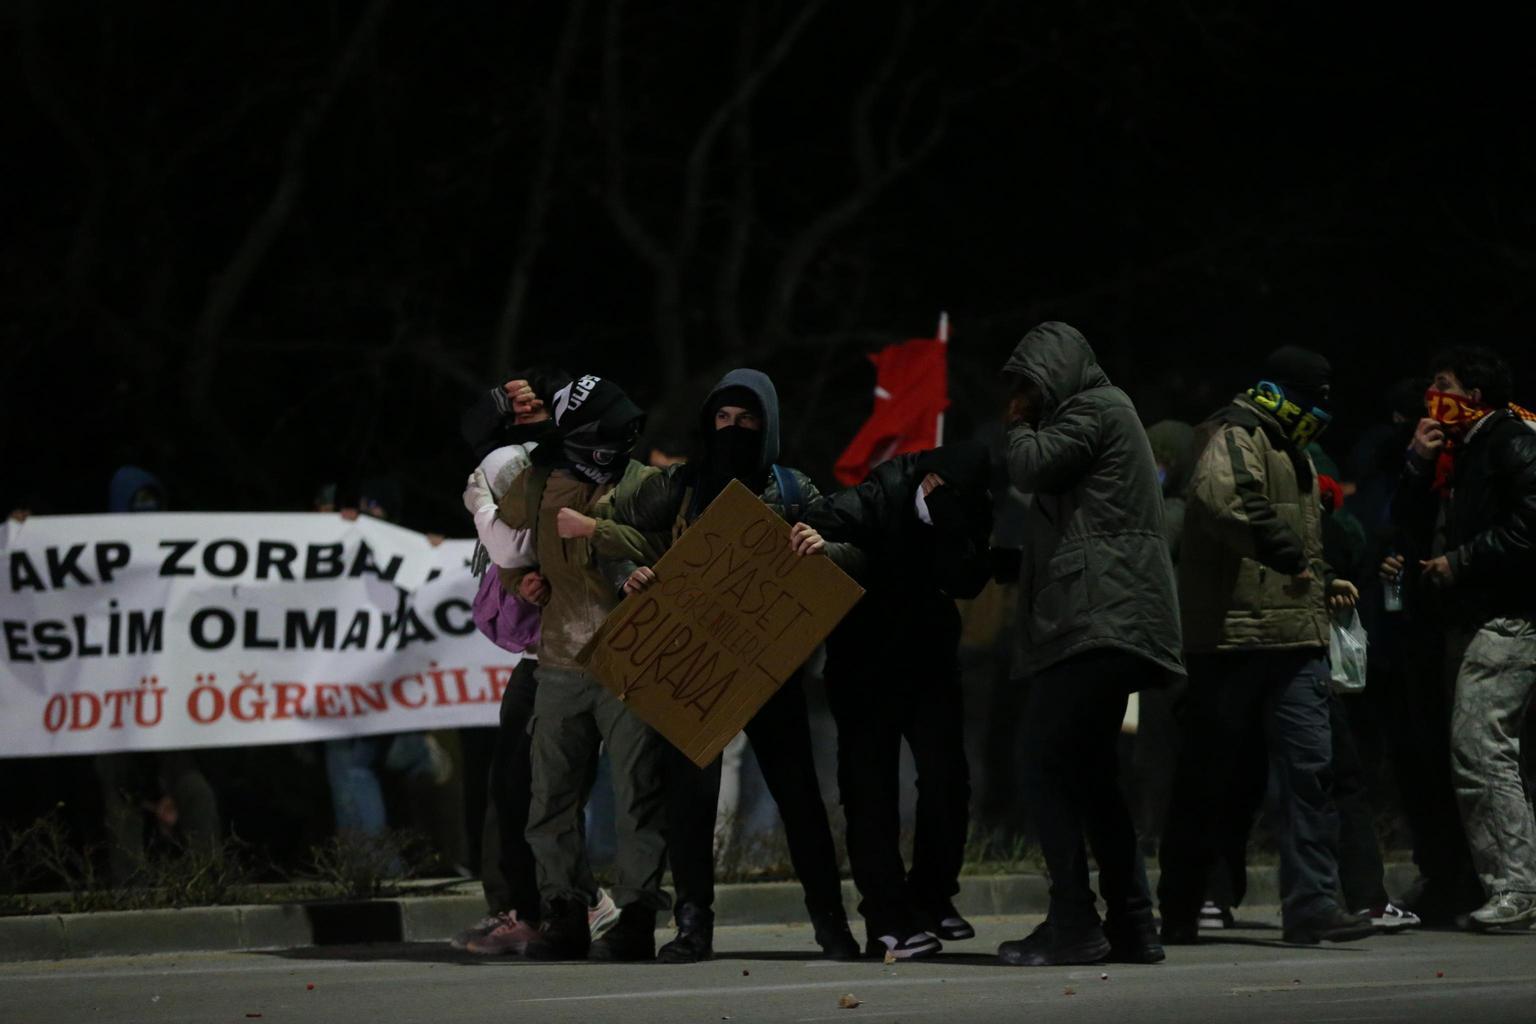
x=1254, y=595
x=585, y=428
x=922, y=522
x=737, y=438
x=1098, y=622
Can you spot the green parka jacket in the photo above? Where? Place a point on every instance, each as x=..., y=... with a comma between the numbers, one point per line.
x=1252, y=528
x=1096, y=572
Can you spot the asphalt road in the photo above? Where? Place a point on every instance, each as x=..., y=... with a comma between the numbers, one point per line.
x=764, y=974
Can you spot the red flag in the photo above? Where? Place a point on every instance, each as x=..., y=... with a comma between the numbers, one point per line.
x=911, y=394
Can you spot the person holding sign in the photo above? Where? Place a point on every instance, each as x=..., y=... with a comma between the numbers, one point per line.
x=585, y=428
x=922, y=521
x=738, y=438
x=1098, y=622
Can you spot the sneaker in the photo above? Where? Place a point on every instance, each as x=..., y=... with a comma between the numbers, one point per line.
x=1505, y=909
x=1048, y=947
x=949, y=926
x=1333, y=926
x=695, y=939
x=564, y=934
x=482, y=927
x=509, y=938
x=631, y=939
x=1213, y=915
x=910, y=947
x=602, y=915
x=1391, y=918
x=834, y=937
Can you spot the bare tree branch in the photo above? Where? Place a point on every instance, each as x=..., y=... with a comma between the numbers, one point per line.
x=230, y=284
x=536, y=214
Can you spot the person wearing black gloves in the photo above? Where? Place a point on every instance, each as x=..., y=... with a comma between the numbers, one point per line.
x=737, y=438
x=1098, y=621
x=922, y=522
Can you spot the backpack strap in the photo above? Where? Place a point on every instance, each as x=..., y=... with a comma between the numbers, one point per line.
x=791, y=497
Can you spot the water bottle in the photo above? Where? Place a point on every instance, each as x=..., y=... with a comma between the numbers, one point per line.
x=1392, y=591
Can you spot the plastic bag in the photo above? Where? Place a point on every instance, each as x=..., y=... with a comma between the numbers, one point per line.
x=1347, y=654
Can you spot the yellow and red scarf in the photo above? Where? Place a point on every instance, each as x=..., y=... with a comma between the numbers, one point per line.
x=1458, y=414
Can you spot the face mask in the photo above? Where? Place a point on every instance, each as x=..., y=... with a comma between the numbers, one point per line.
x=597, y=458
x=1301, y=425
x=1162, y=476
x=921, y=504
x=1456, y=413
x=736, y=451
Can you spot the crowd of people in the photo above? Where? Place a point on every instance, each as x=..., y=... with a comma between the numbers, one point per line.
x=1201, y=572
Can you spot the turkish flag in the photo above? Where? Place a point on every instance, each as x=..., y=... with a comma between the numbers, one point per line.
x=911, y=394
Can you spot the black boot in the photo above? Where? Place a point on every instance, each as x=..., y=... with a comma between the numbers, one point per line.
x=632, y=937
x=695, y=937
x=1048, y=946
x=1133, y=940
x=834, y=937
x=564, y=933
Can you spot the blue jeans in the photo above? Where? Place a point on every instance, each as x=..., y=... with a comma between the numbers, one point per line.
x=351, y=768
x=1277, y=699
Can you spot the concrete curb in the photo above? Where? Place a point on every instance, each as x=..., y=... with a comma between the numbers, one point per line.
x=436, y=918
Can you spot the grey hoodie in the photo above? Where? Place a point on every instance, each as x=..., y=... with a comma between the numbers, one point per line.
x=1096, y=572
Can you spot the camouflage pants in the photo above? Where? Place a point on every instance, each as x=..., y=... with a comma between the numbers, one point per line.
x=1495, y=673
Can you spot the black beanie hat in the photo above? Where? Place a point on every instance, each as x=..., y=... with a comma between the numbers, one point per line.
x=965, y=464
x=1298, y=368
x=738, y=395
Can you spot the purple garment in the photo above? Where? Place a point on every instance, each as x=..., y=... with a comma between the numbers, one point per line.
x=511, y=623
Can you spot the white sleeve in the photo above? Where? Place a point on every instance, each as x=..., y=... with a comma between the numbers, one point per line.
x=508, y=548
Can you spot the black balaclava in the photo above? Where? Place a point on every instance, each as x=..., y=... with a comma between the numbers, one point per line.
x=595, y=426
x=730, y=453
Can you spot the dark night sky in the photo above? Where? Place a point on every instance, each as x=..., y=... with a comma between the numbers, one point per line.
x=252, y=247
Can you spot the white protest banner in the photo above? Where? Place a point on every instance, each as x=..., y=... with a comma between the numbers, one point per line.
x=163, y=631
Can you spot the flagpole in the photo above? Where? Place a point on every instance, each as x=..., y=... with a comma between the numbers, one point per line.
x=943, y=336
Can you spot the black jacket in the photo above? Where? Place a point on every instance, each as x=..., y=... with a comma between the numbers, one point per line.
x=1489, y=520
x=912, y=572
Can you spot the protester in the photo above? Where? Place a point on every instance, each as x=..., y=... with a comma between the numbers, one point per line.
x=1097, y=623
x=1468, y=498
x=1362, y=871
x=737, y=439
x=1156, y=745
x=922, y=522
x=1407, y=672
x=585, y=429
x=353, y=764
x=169, y=785
x=1254, y=593
x=508, y=872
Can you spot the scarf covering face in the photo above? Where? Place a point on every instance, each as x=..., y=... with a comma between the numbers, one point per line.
x=596, y=426
x=1300, y=424
x=1458, y=414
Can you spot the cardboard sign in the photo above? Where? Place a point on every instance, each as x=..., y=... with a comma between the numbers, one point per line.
x=732, y=614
